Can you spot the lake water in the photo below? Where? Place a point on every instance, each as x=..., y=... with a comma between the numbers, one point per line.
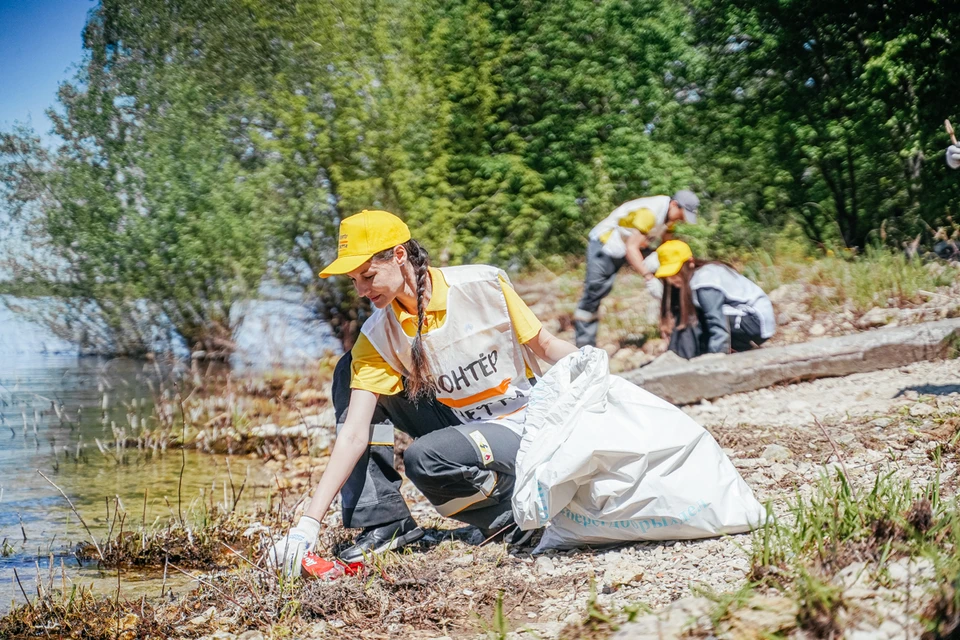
x=51, y=415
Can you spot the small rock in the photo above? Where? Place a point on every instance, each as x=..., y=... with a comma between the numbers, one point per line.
x=911, y=394
x=268, y=430
x=846, y=438
x=463, y=560
x=763, y=616
x=617, y=576
x=913, y=570
x=860, y=593
x=203, y=618
x=876, y=317
x=817, y=330
x=778, y=471
x=920, y=409
x=898, y=572
x=788, y=293
x=853, y=574
x=311, y=396
x=776, y=453
x=326, y=418
x=672, y=622
x=891, y=629
x=882, y=423
x=692, y=608
x=864, y=632
x=544, y=566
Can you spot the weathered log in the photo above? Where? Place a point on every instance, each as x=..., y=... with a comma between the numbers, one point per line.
x=686, y=381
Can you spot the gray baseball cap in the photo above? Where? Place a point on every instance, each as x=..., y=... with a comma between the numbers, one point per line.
x=689, y=202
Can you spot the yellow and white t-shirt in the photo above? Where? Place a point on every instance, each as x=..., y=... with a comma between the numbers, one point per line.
x=371, y=372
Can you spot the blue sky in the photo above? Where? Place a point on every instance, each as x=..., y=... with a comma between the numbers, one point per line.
x=40, y=44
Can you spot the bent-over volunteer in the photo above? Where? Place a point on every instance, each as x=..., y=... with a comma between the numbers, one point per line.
x=624, y=237
x=447, y=357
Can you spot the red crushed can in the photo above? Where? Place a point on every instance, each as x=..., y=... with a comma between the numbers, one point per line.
x=313, y=566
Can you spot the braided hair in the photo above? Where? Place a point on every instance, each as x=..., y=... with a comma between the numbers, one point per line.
x=419, y=383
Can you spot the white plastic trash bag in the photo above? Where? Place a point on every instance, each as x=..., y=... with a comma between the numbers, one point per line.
x=605, y=461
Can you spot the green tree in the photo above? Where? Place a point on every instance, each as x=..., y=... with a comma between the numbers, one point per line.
x=147, y=220
x=842, y=103
x=538, y=102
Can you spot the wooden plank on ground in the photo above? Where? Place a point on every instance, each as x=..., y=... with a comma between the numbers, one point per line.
x=687, y=381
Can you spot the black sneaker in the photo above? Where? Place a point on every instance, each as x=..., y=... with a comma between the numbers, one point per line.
x=384, y=537
x=510, y=534
x=518, y=537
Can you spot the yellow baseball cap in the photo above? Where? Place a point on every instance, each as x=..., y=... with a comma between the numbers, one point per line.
x=673, y=255
x=361, y=236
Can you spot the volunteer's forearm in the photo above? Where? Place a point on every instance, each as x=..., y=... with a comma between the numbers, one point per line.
x=634, y=254
x=351, y=443
x=346, y=452
x=550, y=348
x=635, y=260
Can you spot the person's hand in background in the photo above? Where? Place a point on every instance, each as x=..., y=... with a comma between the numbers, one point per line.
x=953, y=156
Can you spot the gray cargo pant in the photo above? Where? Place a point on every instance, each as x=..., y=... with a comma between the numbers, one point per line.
x=601, y=270
x=445, y=462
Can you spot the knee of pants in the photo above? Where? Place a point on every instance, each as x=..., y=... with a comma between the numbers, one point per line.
x=415, y=462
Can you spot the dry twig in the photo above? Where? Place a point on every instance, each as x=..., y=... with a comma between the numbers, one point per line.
x=77, y=513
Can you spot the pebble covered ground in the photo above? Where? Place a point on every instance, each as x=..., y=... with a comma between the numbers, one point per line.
x=778, y=440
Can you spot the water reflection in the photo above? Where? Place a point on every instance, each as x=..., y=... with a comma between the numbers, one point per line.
x=60, y=414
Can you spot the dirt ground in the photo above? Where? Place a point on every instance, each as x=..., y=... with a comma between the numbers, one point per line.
x=783, y=440
x=878, y=422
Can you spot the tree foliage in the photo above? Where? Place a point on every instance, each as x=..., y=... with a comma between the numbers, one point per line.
x=844, y=104
x=208, y=146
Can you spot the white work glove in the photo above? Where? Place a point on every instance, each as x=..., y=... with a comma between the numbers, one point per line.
x=953, y=156
x=287, y=554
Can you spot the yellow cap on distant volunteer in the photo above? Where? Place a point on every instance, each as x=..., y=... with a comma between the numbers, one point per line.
x=673, y=254
x=361, y=236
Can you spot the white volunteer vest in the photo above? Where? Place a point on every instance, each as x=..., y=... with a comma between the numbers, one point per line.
x=478, y=367
x=738, y=291
x=659, y=205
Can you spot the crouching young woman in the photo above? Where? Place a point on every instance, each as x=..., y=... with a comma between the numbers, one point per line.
x=446, y=358
x=706, y=306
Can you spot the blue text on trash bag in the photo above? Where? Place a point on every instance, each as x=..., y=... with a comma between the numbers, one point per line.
x=643, y=524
